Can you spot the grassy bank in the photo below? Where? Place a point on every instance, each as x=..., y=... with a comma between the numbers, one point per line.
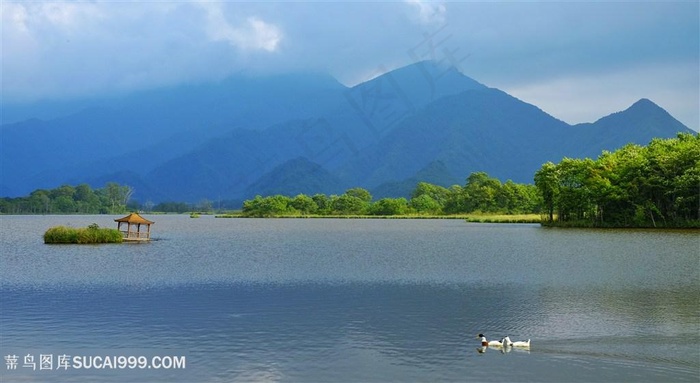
x=613, y=225
x=349, y=216
x=504, y=218
x=88, y=235
x=483, y=218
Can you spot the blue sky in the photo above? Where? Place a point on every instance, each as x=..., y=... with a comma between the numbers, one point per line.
x=577, y=61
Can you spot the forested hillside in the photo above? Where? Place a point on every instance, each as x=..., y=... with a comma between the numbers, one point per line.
x=234, y=139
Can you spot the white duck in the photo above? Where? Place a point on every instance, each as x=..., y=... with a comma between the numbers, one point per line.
x=507, y=342
x=486, y=343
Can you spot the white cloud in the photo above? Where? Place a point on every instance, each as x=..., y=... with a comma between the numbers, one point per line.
x=261, y=35
x=77, y=49
x=558, y=56
x=69, y=15
x=253, y=34
x=428, y=12
x=14, y=17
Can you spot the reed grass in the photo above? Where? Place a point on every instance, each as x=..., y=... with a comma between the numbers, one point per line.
x=88, y=235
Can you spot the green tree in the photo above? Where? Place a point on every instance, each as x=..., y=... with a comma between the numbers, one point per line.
x=425, y=204
x=389, y=206
x=673, y=175
x=480, y=192
x=86, y=200
x=456, y=201
x=272, y=206
x=349, y=204
x=64, y=204
x=83, y=193
x=547, y=181
x=66, y=199
x=363, y=194
x=437, y=193
x=116, y=197
x=304, y=204
x=63, y=191
x=658, y=184
x=515, y=198
x=575, y=197
x=323, y=202
x=39, y=202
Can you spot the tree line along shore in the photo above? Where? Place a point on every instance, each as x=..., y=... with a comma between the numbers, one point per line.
x=656, y=185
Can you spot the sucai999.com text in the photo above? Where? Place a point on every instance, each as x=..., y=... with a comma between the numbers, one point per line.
x=50, y=362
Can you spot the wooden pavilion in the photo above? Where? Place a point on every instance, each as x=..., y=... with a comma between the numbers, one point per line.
x=133, y=231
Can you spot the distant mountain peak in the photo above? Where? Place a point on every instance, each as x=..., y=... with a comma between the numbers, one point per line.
x=645, y=104
x=644, y=101
x=644, y=114
x=435, y=73
x=415, y=85
x=295, y=176
x=642, y=109
x=435, y=67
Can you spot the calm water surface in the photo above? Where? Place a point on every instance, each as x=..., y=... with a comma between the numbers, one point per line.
x=255, y=300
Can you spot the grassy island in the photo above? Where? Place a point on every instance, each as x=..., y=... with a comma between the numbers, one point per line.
x=89, y=235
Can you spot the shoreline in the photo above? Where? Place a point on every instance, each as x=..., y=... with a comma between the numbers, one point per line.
x=470, y=218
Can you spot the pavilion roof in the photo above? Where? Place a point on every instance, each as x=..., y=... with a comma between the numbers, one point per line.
x=133, y=218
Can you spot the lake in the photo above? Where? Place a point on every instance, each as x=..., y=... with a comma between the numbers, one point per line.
x=339, y=300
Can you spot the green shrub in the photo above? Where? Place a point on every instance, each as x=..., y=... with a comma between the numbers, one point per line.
x=61, y=234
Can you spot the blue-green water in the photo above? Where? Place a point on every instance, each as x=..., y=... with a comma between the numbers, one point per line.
x=322, y=300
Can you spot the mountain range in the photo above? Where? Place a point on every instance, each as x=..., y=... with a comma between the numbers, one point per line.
x=306, y=133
